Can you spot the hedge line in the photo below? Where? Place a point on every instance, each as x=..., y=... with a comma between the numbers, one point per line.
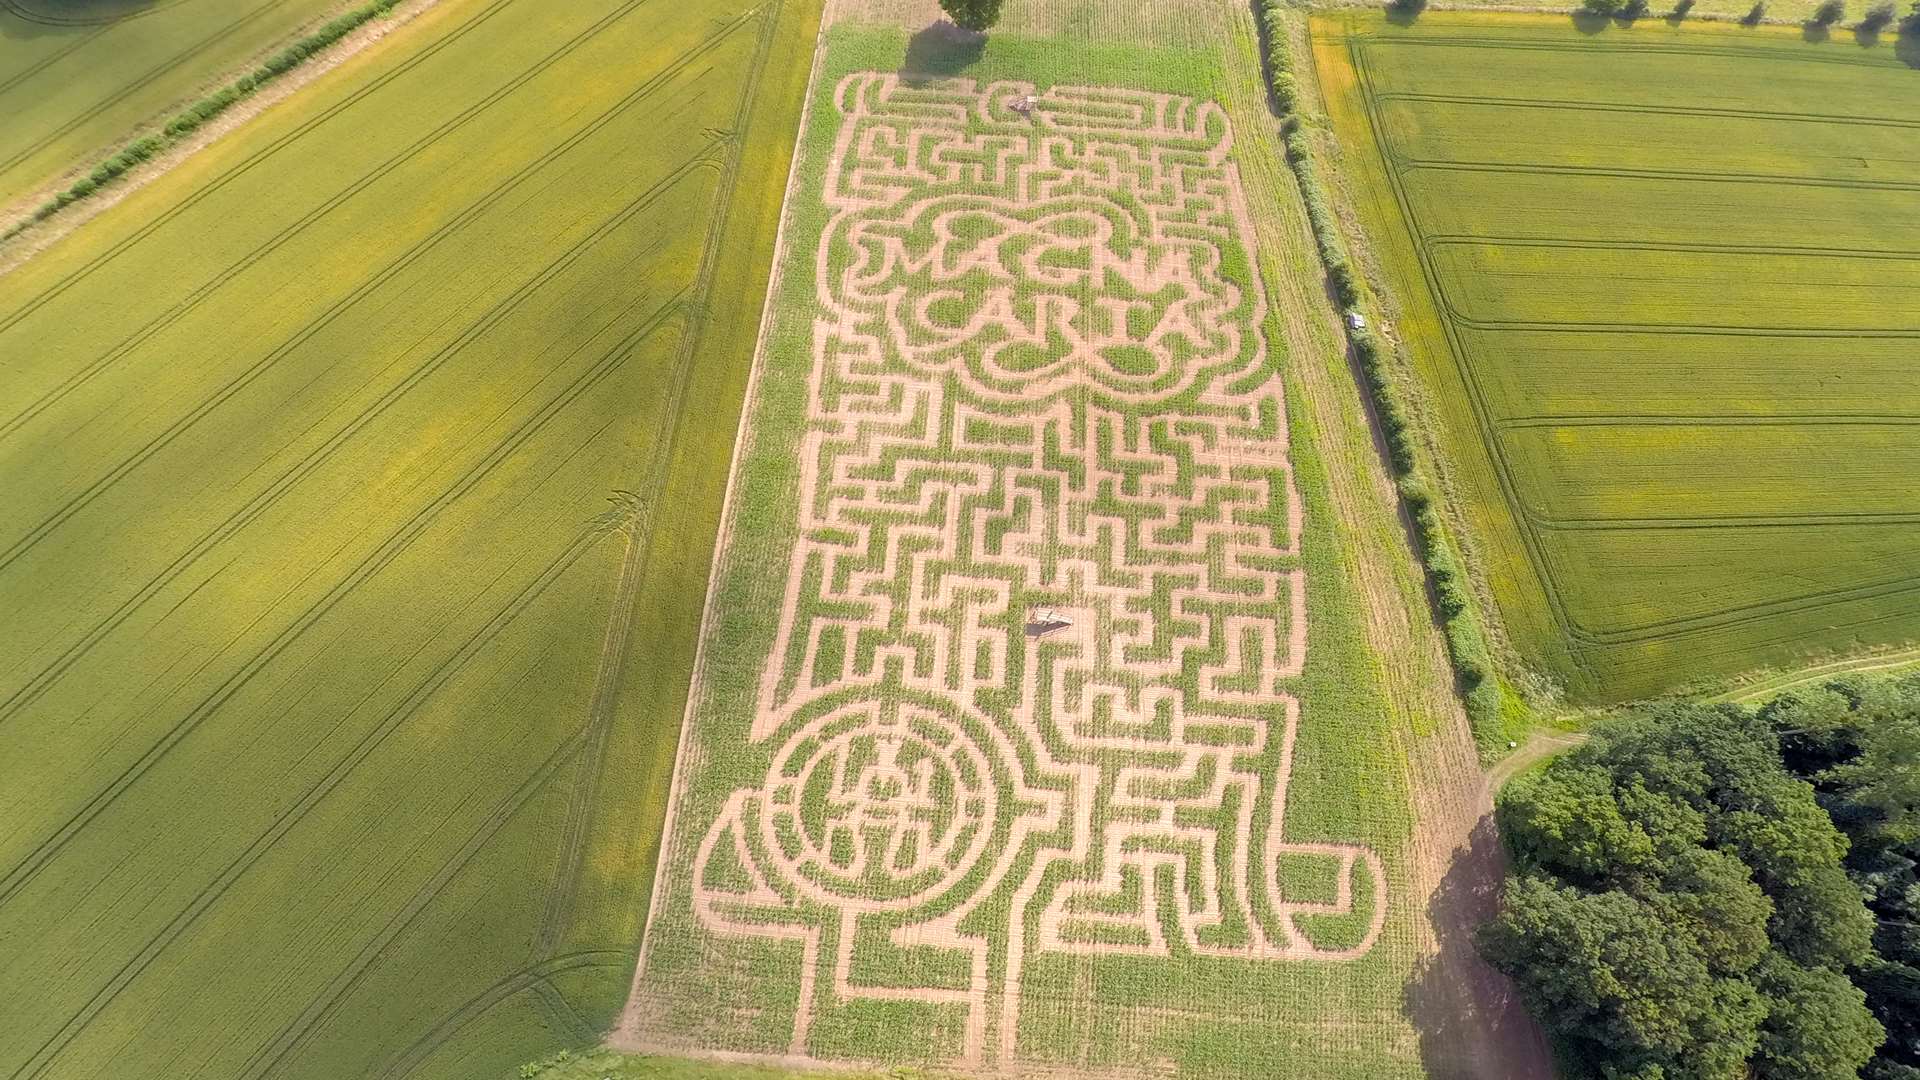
x=1446, y=573
x=197, y=114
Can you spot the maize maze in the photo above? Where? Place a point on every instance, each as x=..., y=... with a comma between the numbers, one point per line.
x=1031, y=686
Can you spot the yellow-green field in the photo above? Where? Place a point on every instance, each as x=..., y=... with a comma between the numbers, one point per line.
x=77, y=75
x=361, y=477
x=1663, y=288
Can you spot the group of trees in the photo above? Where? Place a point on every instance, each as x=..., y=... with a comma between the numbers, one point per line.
x=1858, y=744
x=1877, y=19
x=1707, y=892
x=1829, y=14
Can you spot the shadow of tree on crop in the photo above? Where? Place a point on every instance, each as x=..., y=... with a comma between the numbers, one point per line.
x=1591, y=22
x=1469, y=1022
x=1814, y=32
x=36, y=18
x=940, y=51
x=1906, y=48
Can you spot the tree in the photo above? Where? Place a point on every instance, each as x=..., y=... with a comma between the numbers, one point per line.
x=1626, y=980
x=1883, y=779
x=1878, y=17
x=1828, y=13
x=1757, y=13
x=1603, y=7
x=1817, y=1024
x=1910, y=26
x=975, y=15
x=1678, y=908
x=1859, y=743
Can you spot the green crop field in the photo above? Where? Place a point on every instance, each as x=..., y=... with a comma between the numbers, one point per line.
x=1037, y=722
x=77, y=75
x=1662, y=286
x=360, y=480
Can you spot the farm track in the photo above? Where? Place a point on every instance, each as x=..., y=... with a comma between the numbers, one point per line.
x=1646, y=110
x=1427, y=246
x=1757, y=420
x=1560, y=244
x=1585, y=46
x=1696, y=175
x=31, y=70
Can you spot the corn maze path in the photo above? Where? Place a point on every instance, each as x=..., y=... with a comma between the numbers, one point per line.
x=1031, y=685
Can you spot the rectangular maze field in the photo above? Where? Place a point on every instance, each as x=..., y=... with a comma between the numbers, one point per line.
x=1029, y=730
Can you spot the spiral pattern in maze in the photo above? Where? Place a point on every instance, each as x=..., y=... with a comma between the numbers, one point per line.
x=1046, y=608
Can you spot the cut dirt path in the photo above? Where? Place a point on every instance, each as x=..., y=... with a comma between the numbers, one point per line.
x=1470, y=1022
x=1541, y=746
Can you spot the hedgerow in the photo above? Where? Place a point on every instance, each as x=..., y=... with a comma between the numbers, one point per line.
x=1453, y=597
x=196, y=115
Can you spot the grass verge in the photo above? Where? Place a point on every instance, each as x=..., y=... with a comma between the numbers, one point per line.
x=1497, y=714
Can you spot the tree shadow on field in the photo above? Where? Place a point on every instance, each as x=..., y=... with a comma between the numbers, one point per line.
x=940, y=51
x=1906, y=49
x=1591, y=22
x=1468, y=1019
x=37, y=18
x=1813, y=32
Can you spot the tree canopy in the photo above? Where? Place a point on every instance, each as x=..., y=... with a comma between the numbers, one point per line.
x=1679, y=909
x=1858, y=742
x=975, y=15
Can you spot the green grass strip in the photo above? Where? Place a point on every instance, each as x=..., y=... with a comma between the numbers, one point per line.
x=1461, y=620
x=200, y=112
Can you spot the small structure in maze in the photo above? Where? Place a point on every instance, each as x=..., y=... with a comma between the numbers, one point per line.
x=1047, y=621
x=1032, y=689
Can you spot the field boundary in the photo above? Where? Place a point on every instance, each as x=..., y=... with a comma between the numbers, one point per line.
x=331, y=43
x=1456, y=607
x=622, y=1035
